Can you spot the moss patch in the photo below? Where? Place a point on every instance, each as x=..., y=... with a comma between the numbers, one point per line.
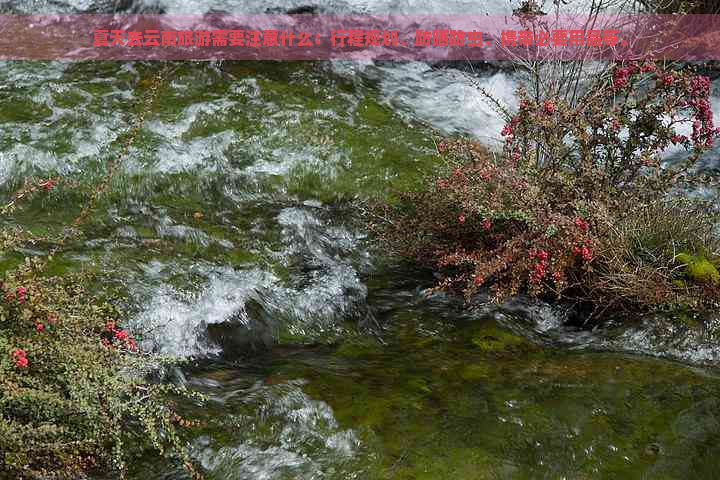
x=490, y=338
x=699, y=269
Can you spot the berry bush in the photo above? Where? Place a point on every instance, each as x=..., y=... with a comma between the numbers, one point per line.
x=580, y=204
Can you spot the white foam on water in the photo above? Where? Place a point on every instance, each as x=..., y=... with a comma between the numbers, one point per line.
x=300, y=439
x=451, y=100
x=174, y=322
x=314, y=302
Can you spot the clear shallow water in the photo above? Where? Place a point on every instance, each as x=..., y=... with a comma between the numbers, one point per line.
x=233, y=229
x=448, y=397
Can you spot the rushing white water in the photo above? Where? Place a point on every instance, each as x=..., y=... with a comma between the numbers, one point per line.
x=242, y=135
x=303, y=440
x=315, y=303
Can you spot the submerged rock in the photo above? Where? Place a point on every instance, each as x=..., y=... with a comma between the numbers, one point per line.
x=302, y=9
x=247, y=332
x=489, y=338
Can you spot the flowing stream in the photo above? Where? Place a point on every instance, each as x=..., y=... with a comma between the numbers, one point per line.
x=233, y=228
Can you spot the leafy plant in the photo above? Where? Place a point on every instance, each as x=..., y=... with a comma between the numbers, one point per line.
x=74, y=389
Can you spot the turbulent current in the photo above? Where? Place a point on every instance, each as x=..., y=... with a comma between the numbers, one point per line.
x=232, y=228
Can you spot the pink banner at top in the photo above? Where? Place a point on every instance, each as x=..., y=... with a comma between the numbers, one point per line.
x=359, y=37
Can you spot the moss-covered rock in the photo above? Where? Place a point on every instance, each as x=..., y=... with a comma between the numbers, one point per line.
x=490, y=338
x=699, y=269
x=475, y=372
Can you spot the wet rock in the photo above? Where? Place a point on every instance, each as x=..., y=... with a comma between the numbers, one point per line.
x=245, y=333
x=480, y=67
x=302, y=9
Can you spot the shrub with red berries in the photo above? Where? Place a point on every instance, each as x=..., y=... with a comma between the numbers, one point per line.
x=65, y=390
x=613, y=139
x=577, y=205
x=486, y=222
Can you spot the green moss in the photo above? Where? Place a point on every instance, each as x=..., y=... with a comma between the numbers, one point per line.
x=358, y=348
x=475, y=372
x=374, y=114
x=23, y=110
x=686, y=316
x=490, y=338
x=699, y=269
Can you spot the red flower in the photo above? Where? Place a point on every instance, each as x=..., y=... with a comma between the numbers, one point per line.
x=675, y=139
x=39, y=327
x=542, y=255
x=539, y=272
x=620, y=77
x=584, y=251
x=648, y=67
x=549, y=107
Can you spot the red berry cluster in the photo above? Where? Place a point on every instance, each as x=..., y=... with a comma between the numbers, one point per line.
x=582, y=224
x=114, y=336
x=549, y=107
x=543, y=258
x=19, y=356
x=20, y=294
x=583, y=251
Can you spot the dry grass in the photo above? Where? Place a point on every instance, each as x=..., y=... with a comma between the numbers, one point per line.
x=637, y=258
